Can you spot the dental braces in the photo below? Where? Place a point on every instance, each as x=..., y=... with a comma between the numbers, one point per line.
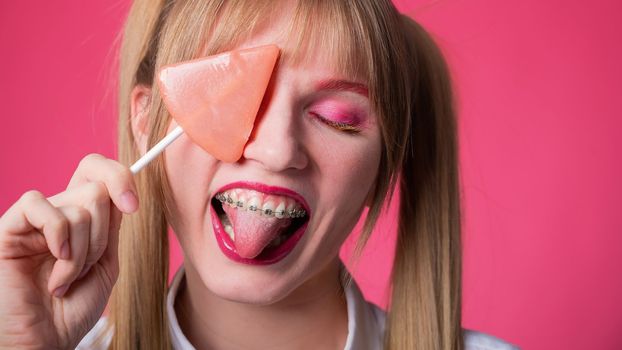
x=293, y=214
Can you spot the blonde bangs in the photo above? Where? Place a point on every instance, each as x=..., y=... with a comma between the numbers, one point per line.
x=317, y=30
x=328, y=31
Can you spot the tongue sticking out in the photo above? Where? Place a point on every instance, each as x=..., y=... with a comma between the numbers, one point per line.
x=252, y=231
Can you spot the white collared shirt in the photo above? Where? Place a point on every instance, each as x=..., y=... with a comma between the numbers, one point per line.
x=366, y=323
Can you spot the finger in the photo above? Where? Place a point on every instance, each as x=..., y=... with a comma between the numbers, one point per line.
x=99, y=208
x=117, y=177
x=33, y=212
x=93, y=196
x=107, y=268
x=66, y=271
x=110, y=259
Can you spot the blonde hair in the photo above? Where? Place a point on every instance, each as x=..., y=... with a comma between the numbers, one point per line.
x=409, y=91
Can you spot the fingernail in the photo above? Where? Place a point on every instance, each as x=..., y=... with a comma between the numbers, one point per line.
x=60, y=291
x=129, y=202
x=64, y=250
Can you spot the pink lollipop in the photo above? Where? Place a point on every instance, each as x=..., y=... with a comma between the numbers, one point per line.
x=215, y=100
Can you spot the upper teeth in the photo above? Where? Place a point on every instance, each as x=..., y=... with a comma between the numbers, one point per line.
x=250, y=200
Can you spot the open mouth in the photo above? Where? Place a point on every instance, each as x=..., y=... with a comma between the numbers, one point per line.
x=257, y=228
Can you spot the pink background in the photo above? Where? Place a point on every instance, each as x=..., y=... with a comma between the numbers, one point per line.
x=539, y=88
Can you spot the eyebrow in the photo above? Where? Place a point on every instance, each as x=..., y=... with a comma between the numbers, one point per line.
x=342, y=85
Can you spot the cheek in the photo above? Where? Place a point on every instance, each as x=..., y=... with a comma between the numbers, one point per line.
x=353, y=168
x=189, y=170
x=347, y=171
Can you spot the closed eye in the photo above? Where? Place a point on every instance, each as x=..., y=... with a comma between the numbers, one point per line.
x=344, y=127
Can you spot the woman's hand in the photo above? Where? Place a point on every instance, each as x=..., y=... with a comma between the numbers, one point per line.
x=58, y=256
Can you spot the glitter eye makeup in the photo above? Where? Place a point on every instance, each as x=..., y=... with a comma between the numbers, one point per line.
x=343, y=116
x=351, y=128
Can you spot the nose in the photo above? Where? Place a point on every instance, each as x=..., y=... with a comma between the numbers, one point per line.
x=275, y=142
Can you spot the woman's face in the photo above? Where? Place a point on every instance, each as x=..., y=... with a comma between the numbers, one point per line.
x=299, y=143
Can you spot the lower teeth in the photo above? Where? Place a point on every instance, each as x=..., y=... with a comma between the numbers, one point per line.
x=229, y=230
x=277, y=241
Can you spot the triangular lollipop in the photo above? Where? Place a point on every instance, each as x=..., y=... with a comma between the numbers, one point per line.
x=216, y=99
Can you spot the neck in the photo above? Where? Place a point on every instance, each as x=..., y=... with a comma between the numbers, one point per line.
x=314, y=316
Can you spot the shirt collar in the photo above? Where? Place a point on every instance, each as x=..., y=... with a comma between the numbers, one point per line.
x=365, y=321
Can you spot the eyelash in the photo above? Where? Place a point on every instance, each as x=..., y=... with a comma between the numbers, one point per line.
x=344, y=127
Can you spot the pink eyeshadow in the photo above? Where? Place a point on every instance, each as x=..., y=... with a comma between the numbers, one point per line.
x=338, y=112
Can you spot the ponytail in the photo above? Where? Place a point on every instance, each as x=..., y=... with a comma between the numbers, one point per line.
x=425, y=310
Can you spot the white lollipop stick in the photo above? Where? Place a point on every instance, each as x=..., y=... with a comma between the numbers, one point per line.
x=156, y=150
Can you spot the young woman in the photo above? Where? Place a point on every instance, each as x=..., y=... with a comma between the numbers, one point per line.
x=359, y=103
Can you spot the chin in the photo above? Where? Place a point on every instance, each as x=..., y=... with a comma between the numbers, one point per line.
x=249, y=286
